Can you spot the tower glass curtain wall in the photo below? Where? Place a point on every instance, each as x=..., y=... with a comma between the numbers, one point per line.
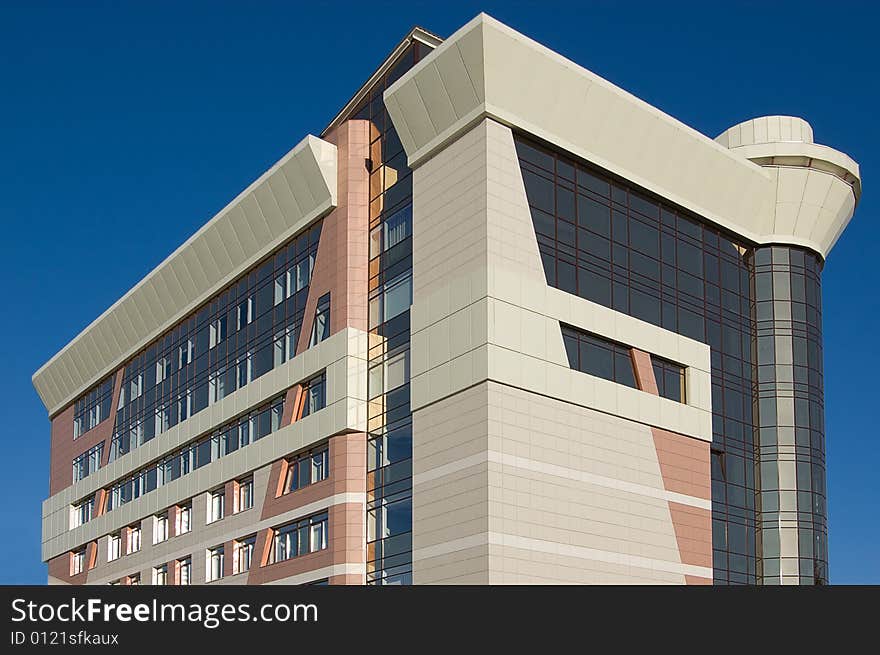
x=789, y=406
x=389, y=448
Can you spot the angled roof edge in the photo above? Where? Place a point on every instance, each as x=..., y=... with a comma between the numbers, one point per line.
x=54, y=385
x=785, y=192
x=184, y=280
x=415, y=34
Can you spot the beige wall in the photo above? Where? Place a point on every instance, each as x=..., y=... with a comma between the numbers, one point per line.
x=525, y=471
x=512, y=488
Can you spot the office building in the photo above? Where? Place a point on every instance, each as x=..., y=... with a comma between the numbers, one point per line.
x=501, y=322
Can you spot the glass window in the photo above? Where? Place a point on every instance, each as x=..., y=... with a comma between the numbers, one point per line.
x=244, y=313
x=134, y=539
x=185, y=353
x=321, y=324
x=670, y=379
x=318, y=466
x=390, y=278
x=244, y=553
x=81, y=513
x=281, y=288
x=300, y=538
x=243, y=370
x=160, y=528
x=285, y=543
x=307, y=468
x=87, y=463
x=114, y=547
x=398, y=297
x=216, y=502
x=216, y=557
x=397, y=227
x=303, y=271
x=78, y=561
x=185, y=571
x=390, y=519
x=539, y=191
x=163, y=367
x=184, y=519
x=245, y=494
x=596, y=356
x=317, y=536
x=315, y=395
x=92, y=407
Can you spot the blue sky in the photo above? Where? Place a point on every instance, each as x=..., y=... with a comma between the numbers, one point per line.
x=125, y=126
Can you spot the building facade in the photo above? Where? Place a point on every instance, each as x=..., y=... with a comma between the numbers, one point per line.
x=502, y=322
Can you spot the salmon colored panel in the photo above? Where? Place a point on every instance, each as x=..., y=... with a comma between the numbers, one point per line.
x=685, y=469
x=693, y=531
x=346, y=522
x=100, y=501
x=345, y=545
x=342, y=260
x=346, y=579
x=228, y=558
x=173, y=514
x=684, y=463
x=696, y=580
x=291, y=402
x=644, y=371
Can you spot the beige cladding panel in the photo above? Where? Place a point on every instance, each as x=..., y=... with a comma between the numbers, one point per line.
x=558, y=493
x=339, y=489
x=298, y=189
x=817, y=187
x=343, y=356
x=487, y=69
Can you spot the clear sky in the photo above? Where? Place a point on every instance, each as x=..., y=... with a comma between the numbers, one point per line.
x=125, y=126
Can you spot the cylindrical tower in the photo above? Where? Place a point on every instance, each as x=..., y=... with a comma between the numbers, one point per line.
x=817, y=191
x=788, y=403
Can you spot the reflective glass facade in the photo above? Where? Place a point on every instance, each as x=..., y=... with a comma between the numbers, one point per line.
x=608, y=242
x=240, y=433
x=92, y=407
x=87, y=463
x=389, y=417
x=243, y=332
x=597, y=356
x=789, y=406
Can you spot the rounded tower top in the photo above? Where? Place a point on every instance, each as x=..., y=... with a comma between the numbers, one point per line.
x=767, y=129
x=817, y=187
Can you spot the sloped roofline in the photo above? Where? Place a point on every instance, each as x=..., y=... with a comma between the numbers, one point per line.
x=415, y=34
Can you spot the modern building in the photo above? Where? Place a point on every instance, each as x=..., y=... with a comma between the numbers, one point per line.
x=502, y=322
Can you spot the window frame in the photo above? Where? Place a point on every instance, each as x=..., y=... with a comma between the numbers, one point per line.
x=216, y=505
x=78, y=561
x=245, y=492
x=114, y=547
x=160, y=528
x=216, y=560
